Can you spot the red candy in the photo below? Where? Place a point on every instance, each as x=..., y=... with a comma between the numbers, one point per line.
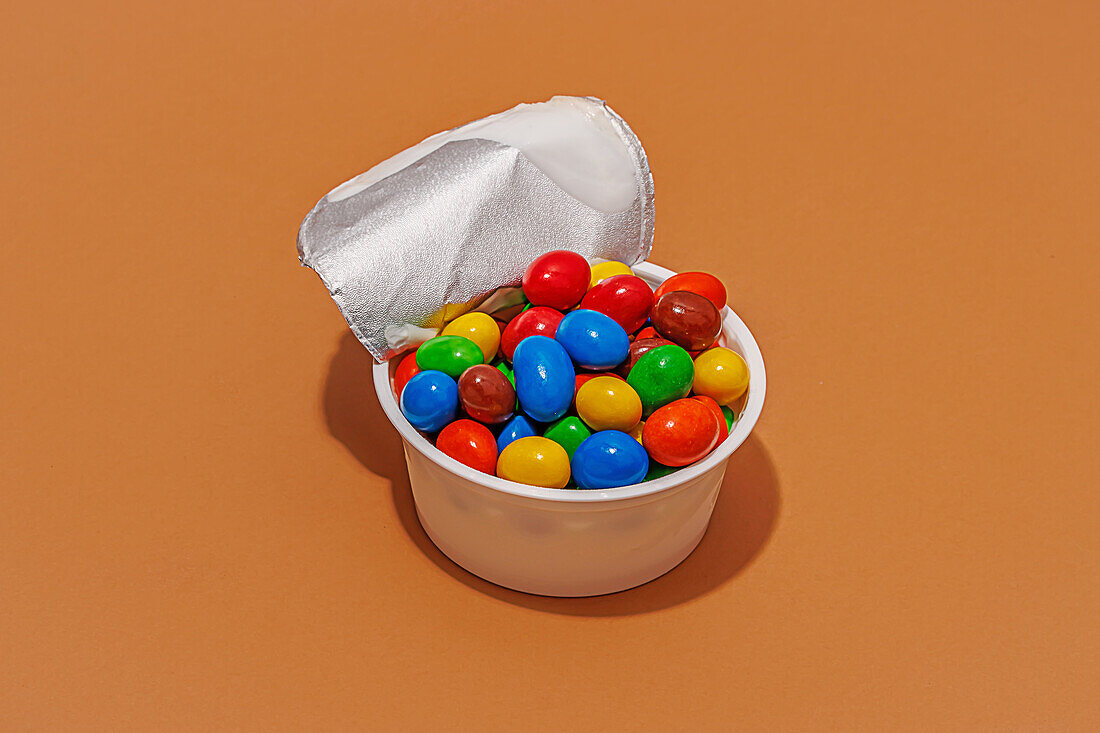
x=537, y=321
x=626, y=299
x=716, y=409
x=470, y=443
x=701, y=283
x=680, y=433
x=405, y=371
x=557, y=279
x=648, y=332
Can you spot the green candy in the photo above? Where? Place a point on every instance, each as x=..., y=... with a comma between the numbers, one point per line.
x=451, y=355
x=658, y=470
x=730, y=417
x=568, y=432
x=661, y=375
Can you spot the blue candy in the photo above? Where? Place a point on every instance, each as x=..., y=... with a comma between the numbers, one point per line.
x=518, y=427
x=608, y=459
x=594, y=340
x=430, y=400
x=545, y=378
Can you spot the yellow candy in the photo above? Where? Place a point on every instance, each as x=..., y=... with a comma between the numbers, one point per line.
x=607, y=403
x=721, y=374
x=479, y=328
x=535, y=461
x=636, y=433
x=604, y=270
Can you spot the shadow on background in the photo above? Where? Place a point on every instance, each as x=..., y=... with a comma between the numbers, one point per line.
x=743, y=520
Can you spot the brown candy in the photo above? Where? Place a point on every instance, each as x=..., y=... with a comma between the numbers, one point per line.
x=486, y=394
x=687, y=319
x=637, y=348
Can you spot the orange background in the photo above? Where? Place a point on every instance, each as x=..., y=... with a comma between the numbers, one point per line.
x=205, y=522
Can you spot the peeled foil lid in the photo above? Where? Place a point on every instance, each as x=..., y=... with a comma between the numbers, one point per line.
x=433, y=231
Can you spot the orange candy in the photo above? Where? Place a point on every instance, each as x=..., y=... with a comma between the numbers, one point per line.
x=723, y=431
x=680, y=433
x=469, y=443
x=702, y=283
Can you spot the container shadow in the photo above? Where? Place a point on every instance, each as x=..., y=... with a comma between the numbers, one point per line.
x=744, y=517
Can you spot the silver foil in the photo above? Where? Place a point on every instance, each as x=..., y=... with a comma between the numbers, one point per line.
x=438, y=236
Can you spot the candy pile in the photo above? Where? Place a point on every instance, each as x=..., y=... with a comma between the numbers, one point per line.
x=599, y=381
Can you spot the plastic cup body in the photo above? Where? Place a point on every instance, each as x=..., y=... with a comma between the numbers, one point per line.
x=558, y=542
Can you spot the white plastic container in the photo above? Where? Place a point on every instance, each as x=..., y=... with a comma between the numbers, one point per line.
x=557, y=542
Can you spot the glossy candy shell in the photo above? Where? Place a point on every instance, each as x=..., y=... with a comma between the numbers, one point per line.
x=722, y=374
x=637, y=348
x=535, y=461
x=606, y=403
x=545, y=378
x=661, y=375
x=451, y=355
x=479, y=328
x=627, y=299
x=518, y=427
x=702, y=283
x=430, y=400
x=406, y=370
x=592, y=339
x=680, y=433
x=583, y=377
x=603, y=270
x=687, y=319
x=486, y=394
x=538, y=321
x=506, y=369
x=608, y=459
x=569, y=432
x=469, y=443
x=730, y=416
x=716, y=410
x=557, y=279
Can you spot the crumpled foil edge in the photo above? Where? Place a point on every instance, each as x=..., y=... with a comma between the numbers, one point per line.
x=416, y=334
